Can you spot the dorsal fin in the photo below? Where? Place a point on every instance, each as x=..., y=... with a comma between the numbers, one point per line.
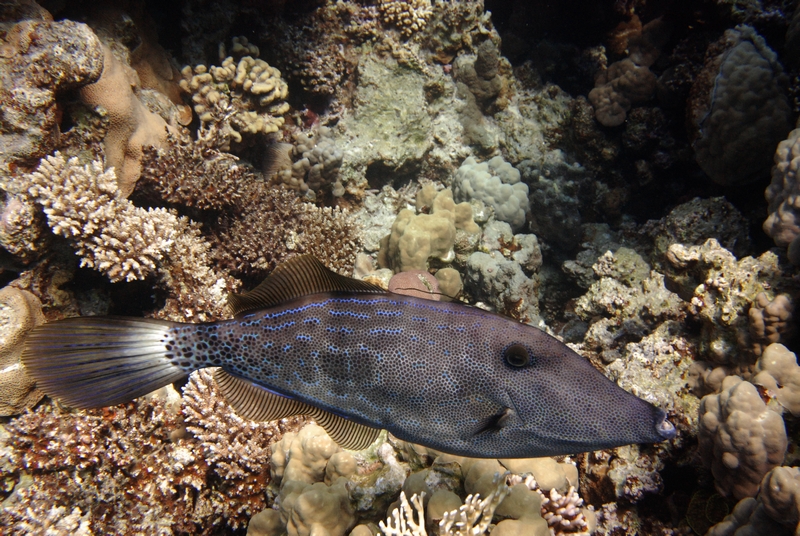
x=253, y=402
x=299, y=276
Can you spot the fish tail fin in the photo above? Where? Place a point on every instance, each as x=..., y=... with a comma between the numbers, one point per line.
x=90, y=362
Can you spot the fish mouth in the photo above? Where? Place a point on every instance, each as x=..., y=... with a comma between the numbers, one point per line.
x=664, y=428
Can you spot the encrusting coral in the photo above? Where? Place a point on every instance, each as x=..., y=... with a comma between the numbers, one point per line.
x=40, y=60
x=20, y=311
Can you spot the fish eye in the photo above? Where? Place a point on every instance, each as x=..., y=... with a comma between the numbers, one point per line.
x=516, y=355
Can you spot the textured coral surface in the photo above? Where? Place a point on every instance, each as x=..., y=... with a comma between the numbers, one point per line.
x=622, y=175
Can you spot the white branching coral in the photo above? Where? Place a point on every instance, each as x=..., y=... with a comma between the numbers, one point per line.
x=563, y=513
x=110, y=234
x=126, y=242
x=475, y=515
x=402, y=522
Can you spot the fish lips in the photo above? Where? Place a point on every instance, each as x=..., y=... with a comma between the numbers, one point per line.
x=664, y=428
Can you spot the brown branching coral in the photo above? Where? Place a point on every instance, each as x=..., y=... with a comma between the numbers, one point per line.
x=192, y=174
x=129, y=469
x=277, y=224
x=408, y=17
x=250, y=225
x=237, y=449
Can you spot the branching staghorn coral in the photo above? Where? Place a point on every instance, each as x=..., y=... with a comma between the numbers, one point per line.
x=126, y=242
x=192, y=174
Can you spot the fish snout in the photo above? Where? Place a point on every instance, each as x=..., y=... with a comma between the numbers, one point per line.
x=664, y=428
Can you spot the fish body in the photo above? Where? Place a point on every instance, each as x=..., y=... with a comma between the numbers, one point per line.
x=451, y=377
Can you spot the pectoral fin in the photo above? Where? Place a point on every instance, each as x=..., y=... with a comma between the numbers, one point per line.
x=251, y=401
x=496, y=422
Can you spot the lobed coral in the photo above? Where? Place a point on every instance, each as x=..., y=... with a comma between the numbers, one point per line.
x=419, y=239
x=740, y=438
x=775, y=510
x=497, y=184
x=738, y=108
x=783, y=199
x=316, y=165
x=629, y=81
x=778, y=373
x=770, y=320
x=237, y=99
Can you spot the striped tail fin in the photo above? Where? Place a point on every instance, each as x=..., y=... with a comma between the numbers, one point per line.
x=90, y=362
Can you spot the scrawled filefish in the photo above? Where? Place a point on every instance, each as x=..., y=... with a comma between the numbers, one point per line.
x=357, y=359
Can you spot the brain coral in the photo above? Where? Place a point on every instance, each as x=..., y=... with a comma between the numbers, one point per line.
x=738, y=108
x=497, y=184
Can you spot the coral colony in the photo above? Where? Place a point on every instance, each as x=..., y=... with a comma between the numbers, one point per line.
x=621, y=175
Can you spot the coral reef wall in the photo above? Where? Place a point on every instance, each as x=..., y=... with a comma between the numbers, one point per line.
x=622, y=175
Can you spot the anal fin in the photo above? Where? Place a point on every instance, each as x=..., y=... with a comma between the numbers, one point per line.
x=251, y=401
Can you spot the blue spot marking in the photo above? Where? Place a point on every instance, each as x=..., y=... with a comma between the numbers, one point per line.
x=386, y=331
x=287, y=347
x=279, y=326
x=306, y=338
x=446, y=376
x=312, y=320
